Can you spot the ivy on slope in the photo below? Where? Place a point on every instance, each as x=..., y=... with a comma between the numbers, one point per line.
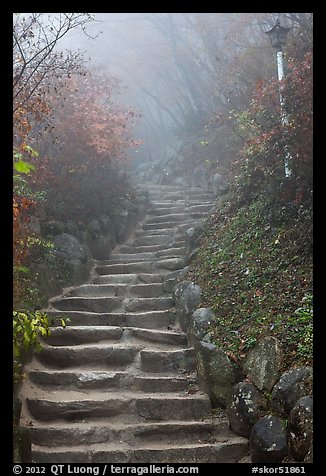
x=255, y=271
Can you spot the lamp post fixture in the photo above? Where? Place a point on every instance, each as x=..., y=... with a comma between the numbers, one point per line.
x=277, y=36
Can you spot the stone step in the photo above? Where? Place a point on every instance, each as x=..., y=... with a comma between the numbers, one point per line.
x=127, y=257
x=78, y=434
x=148, y=304
x=146, y=319
x=161, y=203
x=167, y=361
x=169, y=195
x=169, y=217
x=147, y=248
x=193, y=202
x=117, y=290
x=130, y=279
x=125, y=268
x=72, y=335
x=199, y=194
x=109, y=304
x=170, y=264
x=153, y=240
x=141, y=233
x=115, y=356
x=171, y=253
x=230, y=451
x=128, y=406
x=108, y=380
x=167, y=211
x=202, y=208
x=163, y=225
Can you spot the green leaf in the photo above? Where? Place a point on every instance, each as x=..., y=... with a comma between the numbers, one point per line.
x=33, y=152
x=23, y=269
x=63, y=323
x=23, y=167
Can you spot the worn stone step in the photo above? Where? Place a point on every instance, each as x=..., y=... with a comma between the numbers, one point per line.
x=171, y=210
x=149, y=233
x=118, y=290
x=105, y=355
x=163, y=225
x=148, y=304
x=71, y=335
x=144, y=319
x=163, y=204
x=202, y=208
x=128, y=257
x=153, y=240
x=108, y=380
x=168, y=337
x=93, y=304
x=170, y=263
x=147, y=248
x=77, y=434
x=195, y=202
x=199, y=194
x=230, y=451
x=75, y=335
x=140, y=406
x=167, y=195
x=167, y=361
x=171, y=253
x=168, y=218
x=125, y=268
x=130, y=279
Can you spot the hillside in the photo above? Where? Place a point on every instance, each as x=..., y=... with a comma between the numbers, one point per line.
x=255, y=270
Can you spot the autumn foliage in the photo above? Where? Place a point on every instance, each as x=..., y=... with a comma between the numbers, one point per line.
x=270, y=139
x=85, y=172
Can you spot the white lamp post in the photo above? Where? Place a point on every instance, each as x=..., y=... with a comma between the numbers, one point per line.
x=278, y=35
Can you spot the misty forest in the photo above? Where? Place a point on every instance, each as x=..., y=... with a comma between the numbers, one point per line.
x=162, y=237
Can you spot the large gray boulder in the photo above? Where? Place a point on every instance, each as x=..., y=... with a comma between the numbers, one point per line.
x=263, y=363
x=292, y=385
x=70, y=248
x=200, y=324
x=245, y=406
x=53, y=227
x=300, y=428
x=101, y=246
x=187, y=298
x=216, y=373
x=267, y=441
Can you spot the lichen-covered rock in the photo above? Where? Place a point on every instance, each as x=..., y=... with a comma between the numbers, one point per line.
x=53, y=227
x=187, y=298
x=292, y=385
x=263, y=363
x=300, y=428
x=245, y=406
x=201, y=321
x=193, y=240
x=101, y=246
x=267, y=441
x=216, y=373
x=70, y=248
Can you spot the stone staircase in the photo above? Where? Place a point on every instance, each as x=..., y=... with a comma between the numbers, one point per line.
x=118, y=384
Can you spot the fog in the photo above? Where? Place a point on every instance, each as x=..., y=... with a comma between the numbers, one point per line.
x=180, y=71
